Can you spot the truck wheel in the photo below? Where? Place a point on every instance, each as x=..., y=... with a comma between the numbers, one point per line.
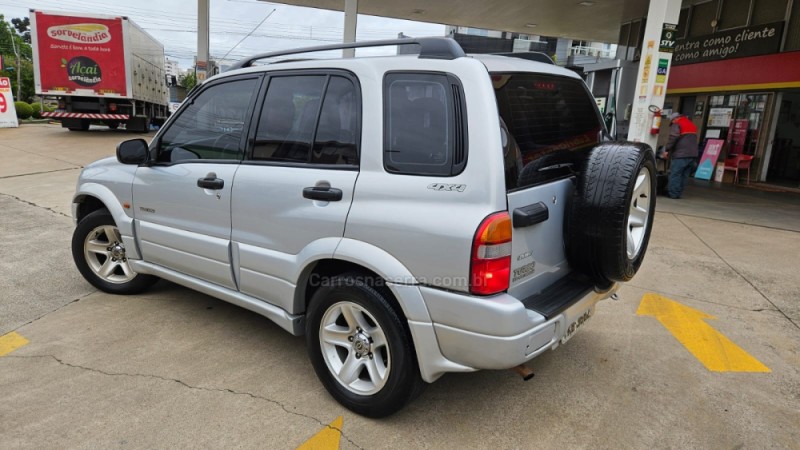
x=611, y=215
x=360, y=348
x=99, y=254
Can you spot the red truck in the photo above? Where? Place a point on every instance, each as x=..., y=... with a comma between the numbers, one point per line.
x=100, y=69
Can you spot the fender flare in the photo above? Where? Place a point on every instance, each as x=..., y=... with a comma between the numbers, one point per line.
x=121, y=218
x=398, y=278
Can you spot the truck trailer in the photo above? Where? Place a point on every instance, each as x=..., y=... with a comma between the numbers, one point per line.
x=99, y=69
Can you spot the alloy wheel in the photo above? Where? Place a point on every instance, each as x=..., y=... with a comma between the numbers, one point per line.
x=354, y=348
x=105, y=255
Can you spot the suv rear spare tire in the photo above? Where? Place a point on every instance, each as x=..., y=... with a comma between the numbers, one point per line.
x=611, y=215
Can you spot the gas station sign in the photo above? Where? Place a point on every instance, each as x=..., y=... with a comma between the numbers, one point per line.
x=669, y=34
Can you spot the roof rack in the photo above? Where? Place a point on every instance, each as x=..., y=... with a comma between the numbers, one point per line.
x=430, y=47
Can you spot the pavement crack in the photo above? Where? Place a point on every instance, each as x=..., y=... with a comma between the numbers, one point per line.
x=749, y=224
x=737, y=272
x=43, y=156
x=189, y=386
x=55, y=310
x=702, y=300
x=34, y=204
x=40, y=173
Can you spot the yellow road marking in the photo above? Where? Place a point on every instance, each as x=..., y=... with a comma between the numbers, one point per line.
x=10, y=342
x=709, y=346
x=327, y=439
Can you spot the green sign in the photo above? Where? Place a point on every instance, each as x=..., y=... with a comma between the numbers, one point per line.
x=669, y=34
x=661, y=74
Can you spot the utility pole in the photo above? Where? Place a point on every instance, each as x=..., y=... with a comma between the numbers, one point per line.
x=203, y=18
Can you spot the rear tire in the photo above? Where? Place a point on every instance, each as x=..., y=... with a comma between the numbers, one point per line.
x=361, y=348
x=611, y=215
x=99, y=254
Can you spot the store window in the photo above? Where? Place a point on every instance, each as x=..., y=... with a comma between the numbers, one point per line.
x=784, y=163
x=633, y=39
x=768, y=11
x=793, y=30
x=737, y=119
x=702, y=16
x=734, y=14
x=622, y=43
x=637, y=44
x=683, y=21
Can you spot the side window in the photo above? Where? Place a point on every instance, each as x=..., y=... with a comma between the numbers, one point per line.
x=338, y=129
x=288, y=118
x=423, y=125
x=211, y=126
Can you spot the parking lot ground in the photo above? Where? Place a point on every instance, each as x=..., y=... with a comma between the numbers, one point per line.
x=175, y=368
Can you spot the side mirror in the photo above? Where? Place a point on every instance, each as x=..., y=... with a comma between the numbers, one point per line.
x=133, y=151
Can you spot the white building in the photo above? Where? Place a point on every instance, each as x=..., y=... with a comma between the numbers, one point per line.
x=171, y=68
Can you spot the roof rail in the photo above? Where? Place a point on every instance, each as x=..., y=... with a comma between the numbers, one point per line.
x=430, y=47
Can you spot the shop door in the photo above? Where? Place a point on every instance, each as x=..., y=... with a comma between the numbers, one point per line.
x=784, y=163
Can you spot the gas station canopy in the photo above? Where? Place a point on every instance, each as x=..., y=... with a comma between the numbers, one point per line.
x=597, y=20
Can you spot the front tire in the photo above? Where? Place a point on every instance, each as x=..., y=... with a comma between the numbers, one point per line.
x=99, y=254
x=361, y=348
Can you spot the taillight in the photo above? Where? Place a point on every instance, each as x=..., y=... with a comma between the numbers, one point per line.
x=491, y=255
x=112, y=107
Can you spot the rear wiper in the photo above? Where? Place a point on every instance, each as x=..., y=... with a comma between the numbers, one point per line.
x=557, y=166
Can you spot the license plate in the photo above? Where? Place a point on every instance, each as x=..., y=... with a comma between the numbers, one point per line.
x=573, y=327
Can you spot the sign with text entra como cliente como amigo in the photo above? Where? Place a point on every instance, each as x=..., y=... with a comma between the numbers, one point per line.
x=734, y=43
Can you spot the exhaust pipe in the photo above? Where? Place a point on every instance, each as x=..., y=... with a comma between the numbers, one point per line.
x=524, y=371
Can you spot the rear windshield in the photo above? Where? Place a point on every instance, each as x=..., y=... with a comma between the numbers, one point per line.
x=549, y=124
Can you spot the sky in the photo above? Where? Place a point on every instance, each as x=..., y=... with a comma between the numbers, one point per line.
x=174, y=24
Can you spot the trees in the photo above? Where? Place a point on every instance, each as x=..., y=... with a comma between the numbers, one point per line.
x=15, y=41
x=23, y=27
x=189, y=80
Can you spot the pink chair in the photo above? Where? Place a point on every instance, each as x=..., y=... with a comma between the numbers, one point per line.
x=736, y=163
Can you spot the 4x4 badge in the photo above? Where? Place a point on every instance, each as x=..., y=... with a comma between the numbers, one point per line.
x=447, y=187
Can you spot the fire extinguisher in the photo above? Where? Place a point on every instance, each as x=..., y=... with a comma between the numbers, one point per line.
x=655, y=126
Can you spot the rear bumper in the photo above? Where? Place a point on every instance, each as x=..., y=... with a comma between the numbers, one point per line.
x=94, y=116
x=499, y=332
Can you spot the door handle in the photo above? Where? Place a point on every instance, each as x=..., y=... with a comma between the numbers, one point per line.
x=322, y=193
x=211, y=182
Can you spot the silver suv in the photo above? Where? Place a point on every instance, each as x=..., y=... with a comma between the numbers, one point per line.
x=410, y=215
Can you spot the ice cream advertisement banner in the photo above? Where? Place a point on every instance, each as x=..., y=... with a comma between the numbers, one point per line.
x=8, y=113
x=77, y=53
x=709, y=159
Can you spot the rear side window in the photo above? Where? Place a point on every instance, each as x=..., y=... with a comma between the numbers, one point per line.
x=551, y=122
x=309, y=119
x=424, y=117
x=288, y=117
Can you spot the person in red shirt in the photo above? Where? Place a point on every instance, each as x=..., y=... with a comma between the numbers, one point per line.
x=682, y=150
